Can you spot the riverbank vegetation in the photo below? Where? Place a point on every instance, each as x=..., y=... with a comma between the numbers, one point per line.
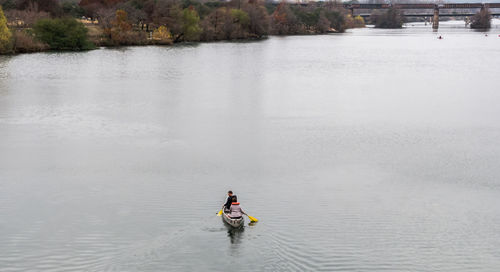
x=390, y=18
x=33, y=25
x=62, y=34
x=481, y=20
x=5, y=34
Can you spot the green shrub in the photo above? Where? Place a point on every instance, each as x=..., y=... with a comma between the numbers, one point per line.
x=62, y=34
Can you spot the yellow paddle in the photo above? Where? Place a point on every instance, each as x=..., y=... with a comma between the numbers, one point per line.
x=253, y=219
x=219, y=213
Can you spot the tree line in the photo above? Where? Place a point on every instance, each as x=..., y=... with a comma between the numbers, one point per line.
x=35, y=25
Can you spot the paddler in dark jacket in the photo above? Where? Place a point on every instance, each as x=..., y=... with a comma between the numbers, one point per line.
x=229, y=200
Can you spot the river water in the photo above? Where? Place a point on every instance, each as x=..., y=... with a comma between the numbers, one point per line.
x=373, y=150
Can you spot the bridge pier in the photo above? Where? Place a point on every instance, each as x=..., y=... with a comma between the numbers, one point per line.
x=435, y=19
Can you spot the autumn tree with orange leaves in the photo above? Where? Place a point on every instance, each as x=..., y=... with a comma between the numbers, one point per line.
x=284, y=20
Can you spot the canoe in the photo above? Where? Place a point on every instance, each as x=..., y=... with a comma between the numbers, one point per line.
x=233, y=222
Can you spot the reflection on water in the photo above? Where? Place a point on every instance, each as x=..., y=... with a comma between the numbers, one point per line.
x=235, y=234
x=373, y=150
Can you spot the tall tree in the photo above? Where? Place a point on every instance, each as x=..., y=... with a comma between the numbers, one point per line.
x=190, y=29
x=213, y=25
x=259, y=19
x=121, y=27
x=323, y=25
x=102, y=3
x=168, y=13
x=91, y=7
x=8, y=4
x=284, y=20
x=5, y=34
x=50, y=6
x=392, y=18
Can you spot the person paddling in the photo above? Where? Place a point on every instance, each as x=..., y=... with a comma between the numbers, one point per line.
x=229, y=200
x=235, y=210
x=232, y=208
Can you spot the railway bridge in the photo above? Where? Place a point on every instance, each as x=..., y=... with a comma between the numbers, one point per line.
x=428, y=10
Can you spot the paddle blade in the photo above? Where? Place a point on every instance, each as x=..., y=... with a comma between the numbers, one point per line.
x=219, y=213
x=253, y=219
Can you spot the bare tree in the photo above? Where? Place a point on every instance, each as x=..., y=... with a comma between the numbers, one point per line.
x=28, y=16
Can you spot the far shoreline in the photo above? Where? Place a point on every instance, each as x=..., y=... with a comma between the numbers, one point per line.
x=245, y=40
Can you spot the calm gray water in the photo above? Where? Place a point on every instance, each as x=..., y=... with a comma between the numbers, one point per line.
x=374, y=150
